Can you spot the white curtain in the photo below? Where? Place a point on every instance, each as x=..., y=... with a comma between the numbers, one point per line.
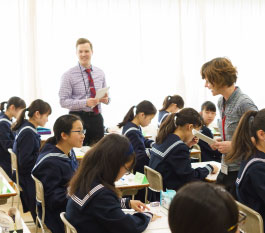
x=148, y=49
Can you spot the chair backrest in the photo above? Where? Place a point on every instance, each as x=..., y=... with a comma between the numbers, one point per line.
x=196, y=155
x=40, y=196
x=68, y=226
x=154, y=178
x=254, y=221
x=14, y=166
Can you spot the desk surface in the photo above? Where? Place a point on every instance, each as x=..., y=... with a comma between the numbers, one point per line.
x=160, y=225
x=210, y=177
x=6, y=189
x=127, y=182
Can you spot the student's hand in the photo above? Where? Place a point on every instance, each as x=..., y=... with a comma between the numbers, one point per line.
x=215, y=169
x=92, y=102
x=104, y=99
x=223, y=147
x=194, y=141
x=155, y=217
x=138, y=206
x=214, y=146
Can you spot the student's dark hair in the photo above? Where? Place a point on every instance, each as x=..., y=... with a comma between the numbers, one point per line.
x=220, y=72
x=174, y=99
x=102, y=163
x=145, y=107
x=37, y=105
x=181, y=118
x=63, y=124
x=208, y=106
x=16, y=101
x=242, y=145
x=202, y=208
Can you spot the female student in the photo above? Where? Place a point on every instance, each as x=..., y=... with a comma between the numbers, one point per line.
x=137, y=116
x=248, y=143
x=56, y=165
x=208, y=113
x=170, y=154
x=204, y=208
x=171, y=104
x=26, y=147
x=94, y=204
x=7, y=137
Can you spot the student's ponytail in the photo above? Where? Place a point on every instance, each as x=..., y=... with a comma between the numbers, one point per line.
x=2, y=106
x=185, y=116
x=175, y=99
x=20, y=120
x=145, y=107
x=128, y=117
x=37, y=105
x=242, y=144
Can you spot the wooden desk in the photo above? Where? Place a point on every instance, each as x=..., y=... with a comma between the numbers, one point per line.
x=128, y=186
x=6, y=190
x=210, y=177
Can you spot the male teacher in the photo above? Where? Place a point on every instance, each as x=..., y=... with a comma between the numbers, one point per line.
x=78, y=90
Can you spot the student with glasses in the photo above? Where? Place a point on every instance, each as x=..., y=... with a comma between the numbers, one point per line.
x=95, y=205
x=248, y=144
x=201, y=207
x=56, y=165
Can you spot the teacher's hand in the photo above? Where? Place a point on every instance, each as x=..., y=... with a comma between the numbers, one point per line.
x=104, y=99
x=92, y=102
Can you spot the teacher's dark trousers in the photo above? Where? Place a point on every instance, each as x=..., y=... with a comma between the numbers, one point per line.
x=94, y=125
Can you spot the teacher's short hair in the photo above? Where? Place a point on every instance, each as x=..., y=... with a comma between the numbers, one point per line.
x=83, y=41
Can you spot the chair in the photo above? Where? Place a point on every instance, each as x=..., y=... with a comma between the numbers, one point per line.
x=69, y=228
x=254, y=221
x=196, y=155
x=14, y=167
x=40, y=199
x=155, y=180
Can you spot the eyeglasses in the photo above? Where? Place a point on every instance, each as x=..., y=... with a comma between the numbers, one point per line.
x=83, y=131
x=128, y=171
x=241, y=220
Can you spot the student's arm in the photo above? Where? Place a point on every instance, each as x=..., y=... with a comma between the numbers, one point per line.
x=27, y=151
x=137, y=143
x=54, y=184
x=66, y=95
x=108, y=212
x=6, y=137
x=257, y=177
x=180, y=162
x=148, y=143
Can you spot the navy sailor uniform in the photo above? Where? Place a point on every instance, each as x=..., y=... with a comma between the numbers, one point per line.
x=54, y=169
x=26, y=147
x=162, y=115
x=250, y=185
x=100, y=211
x=207, y=153
x=7, y=138
x=141, y=145
x=172, y=160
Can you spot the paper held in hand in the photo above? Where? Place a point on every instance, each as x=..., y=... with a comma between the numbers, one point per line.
x=203, y=137
x=101, y=92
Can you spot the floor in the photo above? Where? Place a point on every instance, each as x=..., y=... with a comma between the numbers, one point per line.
x=25, y=216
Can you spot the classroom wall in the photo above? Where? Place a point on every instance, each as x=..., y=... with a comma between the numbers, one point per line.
x=147, y=49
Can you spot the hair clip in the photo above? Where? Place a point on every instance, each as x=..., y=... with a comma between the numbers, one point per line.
x=134, y=111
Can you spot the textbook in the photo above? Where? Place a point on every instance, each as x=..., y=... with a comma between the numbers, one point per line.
x=203, y=137
x=101, y=92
